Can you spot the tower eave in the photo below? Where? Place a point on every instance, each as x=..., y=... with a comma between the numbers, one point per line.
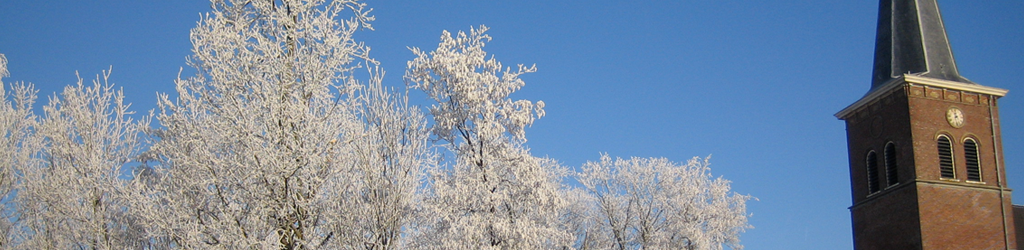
x=895, y=83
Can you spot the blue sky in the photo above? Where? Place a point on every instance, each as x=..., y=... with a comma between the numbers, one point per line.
x=753, y=83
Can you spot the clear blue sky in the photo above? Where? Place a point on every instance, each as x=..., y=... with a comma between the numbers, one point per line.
x=753, y=83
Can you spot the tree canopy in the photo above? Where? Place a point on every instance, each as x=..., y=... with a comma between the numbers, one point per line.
x=275, y=143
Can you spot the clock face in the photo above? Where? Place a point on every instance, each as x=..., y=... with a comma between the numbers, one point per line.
x=955, y=117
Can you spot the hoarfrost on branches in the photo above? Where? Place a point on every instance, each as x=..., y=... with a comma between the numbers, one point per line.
x=275, y=144
x=18, y=145
x=652, y=203
x=497, y=195
x=258, y=145
x=88, y=138
x=390, y=151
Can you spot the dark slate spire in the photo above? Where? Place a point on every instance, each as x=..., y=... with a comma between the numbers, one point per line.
x=912, y=39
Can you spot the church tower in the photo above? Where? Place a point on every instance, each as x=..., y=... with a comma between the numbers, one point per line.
x=926, y=163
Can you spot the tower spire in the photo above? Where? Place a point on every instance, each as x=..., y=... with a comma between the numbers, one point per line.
x=911, y=39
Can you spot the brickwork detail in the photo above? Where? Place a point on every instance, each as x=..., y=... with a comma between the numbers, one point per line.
x=948, y=95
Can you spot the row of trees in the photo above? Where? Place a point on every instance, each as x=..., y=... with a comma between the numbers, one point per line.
x=275, y=144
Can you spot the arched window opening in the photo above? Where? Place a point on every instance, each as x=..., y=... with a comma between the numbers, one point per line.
x=872, y=164
x=891, y=170
x=946, y=158
x=971, y=159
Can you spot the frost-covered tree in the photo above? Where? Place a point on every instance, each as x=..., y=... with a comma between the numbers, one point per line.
x=256, y=150
x=72, y=199
x=390, y=152
x=653, y=203
x=18, y=145
x=275, y=144
x=578, y=218
x=495, y=195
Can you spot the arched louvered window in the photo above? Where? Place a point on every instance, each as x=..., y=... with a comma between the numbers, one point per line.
x=946, y=158
x=872, y=164
x=891, y=171
x=971, y=160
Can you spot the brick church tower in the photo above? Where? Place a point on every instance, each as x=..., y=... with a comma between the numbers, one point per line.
x=926, y=163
